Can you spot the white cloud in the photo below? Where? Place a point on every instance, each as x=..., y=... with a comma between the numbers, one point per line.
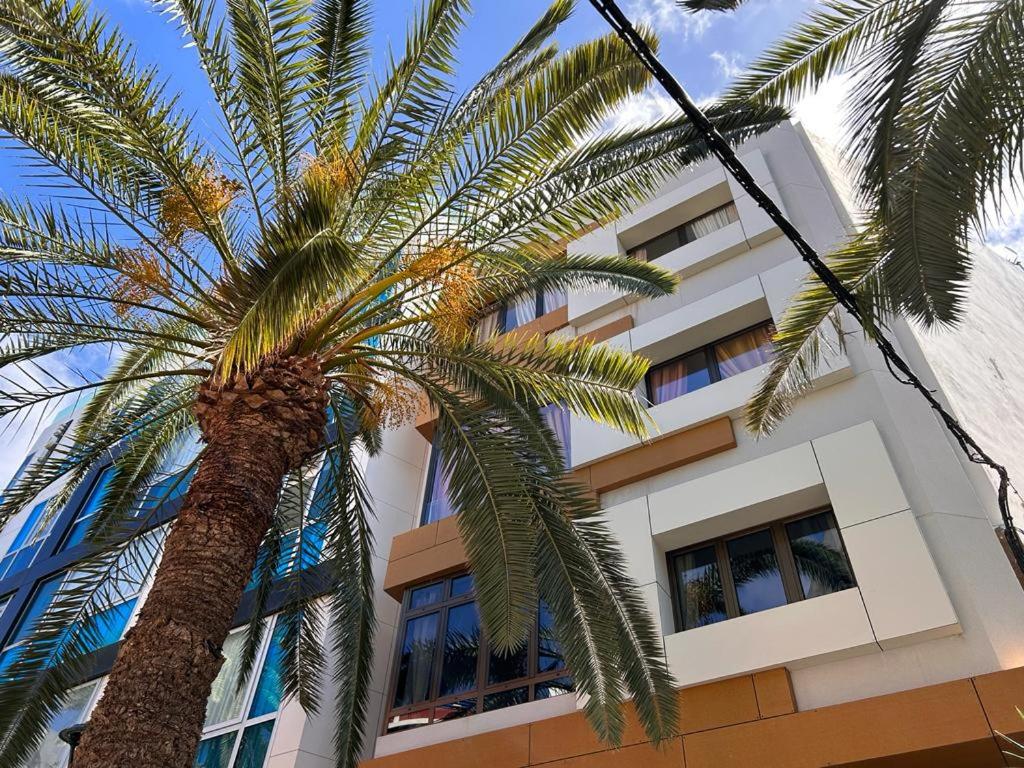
x=1007, y=231
x=728, y=63
x=642, y=109
x=669, y=19
x=824, y=111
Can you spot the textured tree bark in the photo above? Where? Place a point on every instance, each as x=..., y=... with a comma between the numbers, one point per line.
x=256, y=429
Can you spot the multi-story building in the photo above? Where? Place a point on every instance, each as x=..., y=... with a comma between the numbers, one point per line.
x=836, y=594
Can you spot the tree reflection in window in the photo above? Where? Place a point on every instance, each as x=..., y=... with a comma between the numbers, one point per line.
x=445, y=669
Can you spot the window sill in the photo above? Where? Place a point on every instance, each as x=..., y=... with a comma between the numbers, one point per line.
x=485, y=722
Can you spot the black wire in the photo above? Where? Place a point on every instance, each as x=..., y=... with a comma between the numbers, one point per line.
x=898, y=367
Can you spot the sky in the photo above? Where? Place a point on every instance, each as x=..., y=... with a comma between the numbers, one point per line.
x=704, y=51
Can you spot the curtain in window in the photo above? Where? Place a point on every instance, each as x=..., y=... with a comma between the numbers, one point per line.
x=520, y=311
x=678, y=377
x=553, y=299
x=557, y=417
x=225, y=702
x=488, y=326
x=746, y=351
x=710, y=222
x=439, y=505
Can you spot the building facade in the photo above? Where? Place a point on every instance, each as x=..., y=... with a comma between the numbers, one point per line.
x=836, y=594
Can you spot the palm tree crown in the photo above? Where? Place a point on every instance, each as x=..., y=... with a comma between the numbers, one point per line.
x=297, y=286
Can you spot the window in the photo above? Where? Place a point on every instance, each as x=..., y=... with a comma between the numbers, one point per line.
x=304, y=516
x=29, y=539
x=52, y=752
x=720, y=360
x=778, y=564
x=437, y=503
x=89, y=508
x=692, y=230
x=240, y=718
x=113, y=602
x=444, y=669
x=529, y=307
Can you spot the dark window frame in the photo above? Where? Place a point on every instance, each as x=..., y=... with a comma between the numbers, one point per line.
x=714, y=372
x=678, y=230
x=783, y=553
x=482, y=689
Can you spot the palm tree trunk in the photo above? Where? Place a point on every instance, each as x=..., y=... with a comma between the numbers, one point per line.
x=256, y=429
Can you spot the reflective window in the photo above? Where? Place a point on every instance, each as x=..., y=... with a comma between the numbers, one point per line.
x=784, y=562
x=25, y=546
x=755, y=572
x=699, y=586
x=692, y=230
x=111, y=606
x=445, y=669
x=89, y=508
x=437, y=503
x=698, y=368
x=240, y=715
x=303, y=512
x=52, y=752
x=818, y=553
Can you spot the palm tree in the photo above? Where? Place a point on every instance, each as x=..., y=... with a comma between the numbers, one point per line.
x=289, y=289
x=935, y=145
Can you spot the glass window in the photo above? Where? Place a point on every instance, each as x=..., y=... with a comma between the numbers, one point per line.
x=89, y=508
x=446, y=669
x=791, y=560
x=552, y=299
x=556, y=416
x=30, y=538
x=549, y=650
x=692, y=230
x=818, y=553
x=744, y=351
x=416, y=660
x=461, y=646
x=755, y=572
x=462, y=585
x=52, y=752
x=227, y=697
x=428, y=595
x=112, y=603
x=234, y=739
x=507, y=698
x=557, y=687
x=519, y=312
x=438, y=505
x=720, y=360
x=710, y=222
x=699, y=585
x=677, y=377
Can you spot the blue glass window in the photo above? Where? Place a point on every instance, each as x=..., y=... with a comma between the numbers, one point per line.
x=268, y=690
x=26, y=544
x=37, y=605
x=89, y=508
x=255, y=741
x=215, y=752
